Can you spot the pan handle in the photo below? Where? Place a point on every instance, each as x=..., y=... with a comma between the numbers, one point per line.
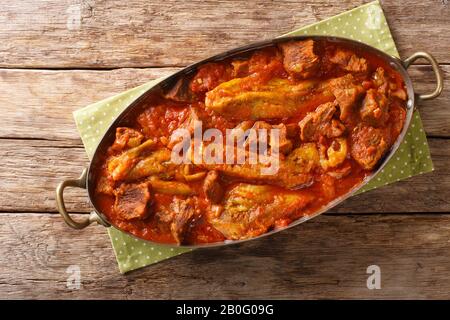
x=79, y=183
x=439, y=81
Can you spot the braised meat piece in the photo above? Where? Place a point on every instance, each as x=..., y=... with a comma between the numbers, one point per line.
x=132, y=201
x=283, y=144
x=374, y=109
x=183, y=213
x=347, y=92
x=179, y=92
x=380, y=81
x=321, y=123
x=250, y=210
x=368, y=145
x=349, y=61
x=192, y=117
x=292, y=130
x=399, y=93
x=177, y=216
x=386, y=87
x=397, y=116
x=299, y=58
x=212, y=188
x=127, y=138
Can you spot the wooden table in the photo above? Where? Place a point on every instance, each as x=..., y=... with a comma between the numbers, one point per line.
x=57, y=56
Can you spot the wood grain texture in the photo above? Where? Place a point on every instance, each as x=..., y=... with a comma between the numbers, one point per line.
x=32, y=169
x=141, y=33
x=39, y=104
x=323, y=258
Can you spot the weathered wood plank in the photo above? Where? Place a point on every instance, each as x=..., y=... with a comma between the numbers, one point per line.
x=323, y=258
x=39, y=104
x=435, y=113
x=110, y=34
x=31, y=170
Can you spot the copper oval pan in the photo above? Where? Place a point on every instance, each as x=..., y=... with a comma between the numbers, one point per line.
x=86, y=180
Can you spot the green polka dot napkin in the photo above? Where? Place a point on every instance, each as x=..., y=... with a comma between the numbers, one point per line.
x=365, y=23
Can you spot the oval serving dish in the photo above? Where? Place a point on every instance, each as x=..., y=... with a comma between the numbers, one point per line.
x=87, y=180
